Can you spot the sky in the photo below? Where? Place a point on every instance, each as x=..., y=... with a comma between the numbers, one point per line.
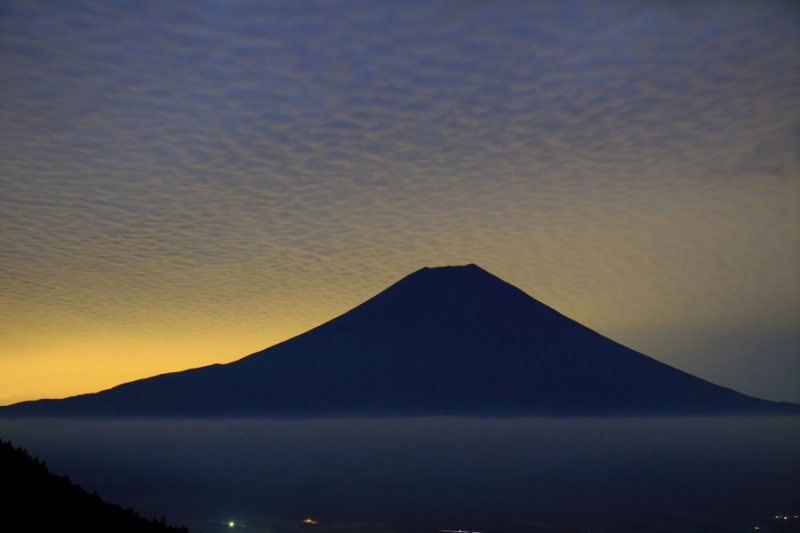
x=185, y=183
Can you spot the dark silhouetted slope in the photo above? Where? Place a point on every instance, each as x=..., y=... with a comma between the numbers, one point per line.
x=35, y=500
x=441, y=341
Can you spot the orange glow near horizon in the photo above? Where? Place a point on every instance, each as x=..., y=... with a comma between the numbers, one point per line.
x=80, y=366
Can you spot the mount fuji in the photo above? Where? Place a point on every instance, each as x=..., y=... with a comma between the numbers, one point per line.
x=441, y=341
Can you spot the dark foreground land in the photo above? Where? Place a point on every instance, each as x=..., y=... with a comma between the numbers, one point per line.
x=36, y=500
x=418, y=475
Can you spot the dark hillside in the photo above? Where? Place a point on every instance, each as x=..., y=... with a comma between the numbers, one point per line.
x=35, y=500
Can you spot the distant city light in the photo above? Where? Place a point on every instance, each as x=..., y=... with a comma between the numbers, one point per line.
x=231, y=524
x=309, y=521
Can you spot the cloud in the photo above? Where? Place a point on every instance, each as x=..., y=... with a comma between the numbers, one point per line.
x=164, y=164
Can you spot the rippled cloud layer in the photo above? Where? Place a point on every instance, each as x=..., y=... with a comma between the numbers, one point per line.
x=184, y=183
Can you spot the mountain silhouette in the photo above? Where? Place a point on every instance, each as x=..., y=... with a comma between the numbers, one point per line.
x=441, y=341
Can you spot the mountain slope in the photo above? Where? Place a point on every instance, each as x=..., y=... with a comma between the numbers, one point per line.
x=37, y=500
x=449, y=340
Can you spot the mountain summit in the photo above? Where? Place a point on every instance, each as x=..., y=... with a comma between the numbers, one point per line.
x=441, y=341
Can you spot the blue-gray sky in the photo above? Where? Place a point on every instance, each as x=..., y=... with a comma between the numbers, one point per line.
x=183, y=183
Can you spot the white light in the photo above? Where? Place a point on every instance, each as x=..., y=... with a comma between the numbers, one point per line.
x=231, y=524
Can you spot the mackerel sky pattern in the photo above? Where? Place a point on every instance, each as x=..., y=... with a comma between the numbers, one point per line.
x=183, y=183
